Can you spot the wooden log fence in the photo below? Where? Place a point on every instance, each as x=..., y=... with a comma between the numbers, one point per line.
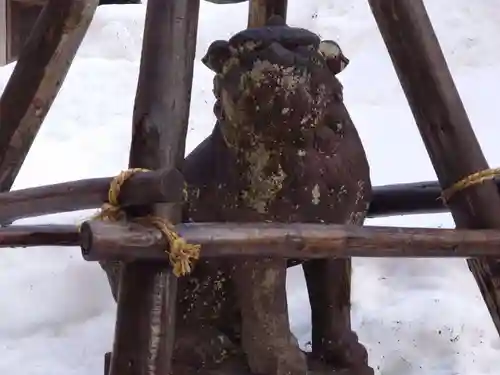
x=118, y=241
x=108, y=241
x=161, y=186
x=145, y=322
x=144, y=332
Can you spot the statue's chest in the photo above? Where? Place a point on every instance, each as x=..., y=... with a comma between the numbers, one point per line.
x=261, y=179
x=293, y=187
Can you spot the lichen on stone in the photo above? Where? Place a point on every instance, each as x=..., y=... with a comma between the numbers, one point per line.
x=264, y=177
x=316, y=194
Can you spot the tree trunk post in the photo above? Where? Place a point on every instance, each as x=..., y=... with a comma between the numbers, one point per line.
x=145, y=324
x=444, y=126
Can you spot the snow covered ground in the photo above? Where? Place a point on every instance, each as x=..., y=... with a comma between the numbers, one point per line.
x=415, y=316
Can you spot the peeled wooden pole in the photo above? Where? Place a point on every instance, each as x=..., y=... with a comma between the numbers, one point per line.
x=144, y=332
x=130, y=241
x=444, y=125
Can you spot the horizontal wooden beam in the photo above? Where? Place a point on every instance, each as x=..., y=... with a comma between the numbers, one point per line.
x=164, y=186
x=30, y=2
x=161, y=187
x=128, y=241
x=39, y=235
x=422, y=197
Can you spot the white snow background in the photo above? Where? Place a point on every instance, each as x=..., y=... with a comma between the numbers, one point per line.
x=415, y=316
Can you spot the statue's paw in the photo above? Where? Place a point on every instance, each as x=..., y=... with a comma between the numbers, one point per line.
x=202, y=346
x=345, y=352
x=317, y=366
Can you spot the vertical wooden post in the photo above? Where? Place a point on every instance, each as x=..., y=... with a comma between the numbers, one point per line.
x=444, y=125
x=261, y=10
x=144, y=333
x=21, y=18
x=3, y=32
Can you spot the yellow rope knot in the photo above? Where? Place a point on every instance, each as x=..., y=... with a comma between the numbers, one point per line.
x=181, y=254
x=111, y=210
x=471, y=180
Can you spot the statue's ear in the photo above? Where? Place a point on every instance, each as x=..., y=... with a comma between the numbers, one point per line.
x=276, y=20
x=333, y=55
x=217, y=54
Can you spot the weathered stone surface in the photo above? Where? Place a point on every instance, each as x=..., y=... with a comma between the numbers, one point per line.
x=284, y=149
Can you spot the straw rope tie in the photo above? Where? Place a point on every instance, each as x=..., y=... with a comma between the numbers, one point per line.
x=181, y=254
x=471, y=180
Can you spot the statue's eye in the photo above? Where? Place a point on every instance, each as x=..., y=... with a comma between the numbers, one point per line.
x=329, y=49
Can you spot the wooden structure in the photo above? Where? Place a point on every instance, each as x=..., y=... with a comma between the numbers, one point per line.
x=17, y=19
x=145, y=335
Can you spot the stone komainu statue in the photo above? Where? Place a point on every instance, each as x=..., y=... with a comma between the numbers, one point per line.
x=284, y=149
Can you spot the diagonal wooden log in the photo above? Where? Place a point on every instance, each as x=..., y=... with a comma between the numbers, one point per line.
x=144, y=333
x=144, y=188
x=444, y=125
x=40, y=71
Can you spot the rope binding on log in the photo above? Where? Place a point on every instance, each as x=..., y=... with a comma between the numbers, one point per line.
x=471, y=180
x=181, y=254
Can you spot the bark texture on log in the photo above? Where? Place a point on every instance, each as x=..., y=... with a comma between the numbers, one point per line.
x=444, y=125
x=145, y=326
x=128, y=242
x=141, y=189
x=37, y=77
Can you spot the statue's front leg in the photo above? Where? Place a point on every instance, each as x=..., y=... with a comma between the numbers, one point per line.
x=270, y=347
x=329, y=286
x=333, y=340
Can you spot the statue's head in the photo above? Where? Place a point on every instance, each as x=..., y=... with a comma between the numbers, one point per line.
x=275, y=80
